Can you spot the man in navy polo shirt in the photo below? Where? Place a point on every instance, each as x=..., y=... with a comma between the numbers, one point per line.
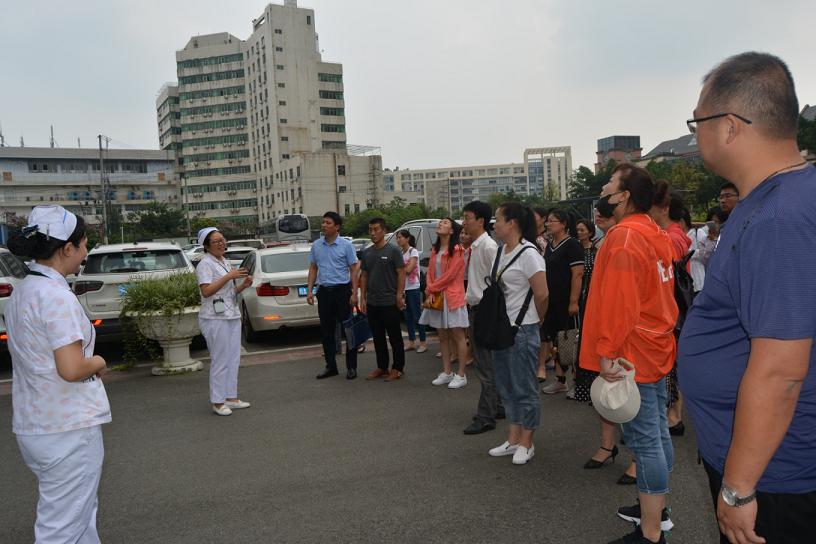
x=334, y=267
x=746, y=357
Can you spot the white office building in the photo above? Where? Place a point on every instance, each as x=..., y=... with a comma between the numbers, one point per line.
x=34, y=176
x=453, y=187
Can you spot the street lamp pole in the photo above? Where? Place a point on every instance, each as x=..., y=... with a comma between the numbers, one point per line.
x=104, y=192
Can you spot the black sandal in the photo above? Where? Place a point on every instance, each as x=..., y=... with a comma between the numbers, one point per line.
x=592, y=463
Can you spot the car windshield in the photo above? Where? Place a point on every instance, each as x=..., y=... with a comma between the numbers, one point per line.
x=257, y=244
x=134, y=261
x=285, y=262
x=293, y=224
x=237, y=255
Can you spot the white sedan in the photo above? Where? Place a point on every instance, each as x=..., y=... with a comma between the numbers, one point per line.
x=277, y=298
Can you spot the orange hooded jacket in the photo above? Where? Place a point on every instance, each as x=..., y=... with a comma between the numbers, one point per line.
x=631, y=311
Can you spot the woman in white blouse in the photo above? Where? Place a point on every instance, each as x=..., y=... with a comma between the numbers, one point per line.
x=220, y=319
x=58, y=398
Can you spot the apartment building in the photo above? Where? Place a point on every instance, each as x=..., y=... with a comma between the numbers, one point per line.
x=454, y=187
x=258, y=125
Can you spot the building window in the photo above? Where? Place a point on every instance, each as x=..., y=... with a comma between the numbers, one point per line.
x=279, y=49
x=281, y=85
x=342, y=188
x=284, y=138
x=281, y=102
x=330, y=95
x=356, y=208
x=308, y=19
x=278, y=31
x=330, y=78
x=337, y=112
x=332, y=128
x=285, y=155
x=279, y=66
x=341, y=170
x=348, y=209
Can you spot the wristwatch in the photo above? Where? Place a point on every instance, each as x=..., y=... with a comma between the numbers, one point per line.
x=732, y=499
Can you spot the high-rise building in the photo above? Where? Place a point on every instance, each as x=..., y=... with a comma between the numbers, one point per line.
x=617, y=148
x=259, y=126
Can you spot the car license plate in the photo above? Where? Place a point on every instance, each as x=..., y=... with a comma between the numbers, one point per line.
x=303, y=291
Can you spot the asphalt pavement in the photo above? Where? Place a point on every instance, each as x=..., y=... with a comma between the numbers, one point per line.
x=344, y=461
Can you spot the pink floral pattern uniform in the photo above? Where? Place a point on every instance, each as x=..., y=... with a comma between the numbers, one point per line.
x=42, y=316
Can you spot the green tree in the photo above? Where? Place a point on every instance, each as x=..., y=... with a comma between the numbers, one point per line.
x=586, y=184
x=158, y=220
x=202, y=223
x=806, y=134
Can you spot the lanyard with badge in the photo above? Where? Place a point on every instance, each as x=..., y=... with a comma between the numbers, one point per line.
x=86, y=347
x=218, y=304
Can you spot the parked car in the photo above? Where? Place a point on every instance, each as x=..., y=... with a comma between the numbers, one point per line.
x=257, y=244
x=232, y=254
x=12, y=272
x=424, y=230
x=277, y=298
x=108, y=270
x=193, y=250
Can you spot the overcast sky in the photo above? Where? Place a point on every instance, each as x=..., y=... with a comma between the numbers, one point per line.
x=433, y=84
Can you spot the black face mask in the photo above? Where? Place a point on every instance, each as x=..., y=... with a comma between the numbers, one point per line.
x=605, y=209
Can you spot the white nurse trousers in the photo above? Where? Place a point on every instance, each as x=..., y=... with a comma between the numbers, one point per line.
x=224, y=342
x=68, y=466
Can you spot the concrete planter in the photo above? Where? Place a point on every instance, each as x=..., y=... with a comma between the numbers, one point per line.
x=174, y=334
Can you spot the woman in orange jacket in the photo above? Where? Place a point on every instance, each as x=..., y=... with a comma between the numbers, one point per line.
x=445, y=278
x=631, y=313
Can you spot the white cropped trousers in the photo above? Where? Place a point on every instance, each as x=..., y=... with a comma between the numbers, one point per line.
x=224, y=342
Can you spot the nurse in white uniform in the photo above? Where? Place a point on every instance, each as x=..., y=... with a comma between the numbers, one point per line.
x=220, y=319
x=58, y=398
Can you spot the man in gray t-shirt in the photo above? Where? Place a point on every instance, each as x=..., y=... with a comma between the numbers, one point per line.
x=381, y=287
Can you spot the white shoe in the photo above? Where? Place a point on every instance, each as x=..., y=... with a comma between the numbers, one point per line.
x=457, y=382
x=236, y=405
x=223, y=411
x=443, y=378
x=523, y=455
x=504, y=449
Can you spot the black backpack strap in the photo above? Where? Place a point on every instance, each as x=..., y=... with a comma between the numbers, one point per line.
x=496, y=262
x=517, y=255
x=524, y=307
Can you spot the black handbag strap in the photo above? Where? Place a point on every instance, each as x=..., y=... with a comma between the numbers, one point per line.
x=575, y=319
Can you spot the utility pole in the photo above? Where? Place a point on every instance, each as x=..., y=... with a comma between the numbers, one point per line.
x=187, y=204
x=104, y=190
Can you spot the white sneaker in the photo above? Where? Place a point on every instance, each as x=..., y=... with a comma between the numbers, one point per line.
x=223, y=411
x=523, y=455
x=236, y=405
x=504, y=449
x=457, y=382
x=443, y=378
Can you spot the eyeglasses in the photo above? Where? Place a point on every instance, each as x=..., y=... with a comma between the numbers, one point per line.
x=219, y=242
x=727, y=195
x=692, y=123
x=468, y=217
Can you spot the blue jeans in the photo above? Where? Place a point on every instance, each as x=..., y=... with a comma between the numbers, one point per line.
x=648, y=437
x=412, y=313
x=515, y=369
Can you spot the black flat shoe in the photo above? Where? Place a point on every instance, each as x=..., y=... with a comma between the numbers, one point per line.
x=327, y=373
x=479, y=427
x=677, y=430
x=592, y=463
x=541, y=380
x=625, y=479
x=351, y=374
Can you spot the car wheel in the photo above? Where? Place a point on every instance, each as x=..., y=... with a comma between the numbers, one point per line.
x=250, y=334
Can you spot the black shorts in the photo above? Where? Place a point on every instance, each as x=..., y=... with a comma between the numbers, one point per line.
x=556, y=320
